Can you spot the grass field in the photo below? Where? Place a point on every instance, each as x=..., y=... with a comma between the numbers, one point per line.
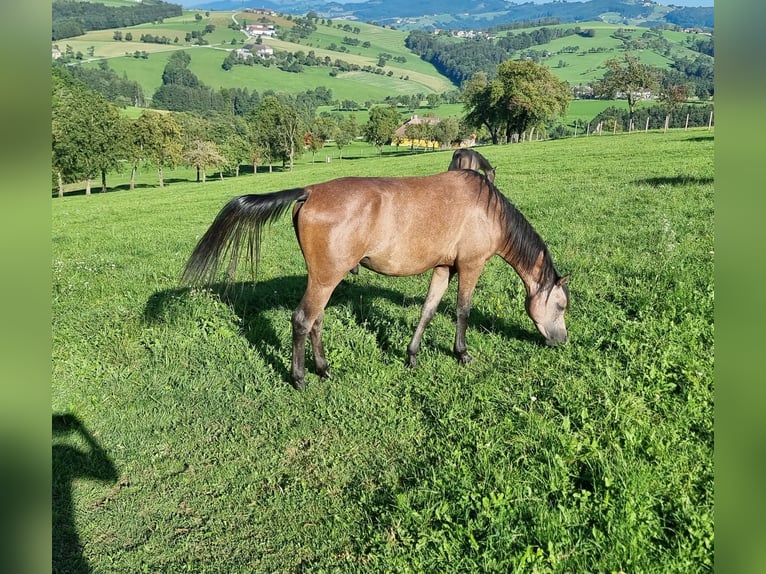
x=179, y=446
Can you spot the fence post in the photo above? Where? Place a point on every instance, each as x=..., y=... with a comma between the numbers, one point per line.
x=646, y=129
x=710, y=121
x=687, y=122
x=667, y=121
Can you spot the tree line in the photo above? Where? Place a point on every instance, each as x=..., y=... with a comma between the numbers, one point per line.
x=91, y=138
x=75, y=18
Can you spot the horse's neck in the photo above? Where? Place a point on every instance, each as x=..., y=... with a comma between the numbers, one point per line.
x=531, y=275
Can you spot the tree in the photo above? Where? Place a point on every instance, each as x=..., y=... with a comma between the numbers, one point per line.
x=418, y=132
x=523, y=95
x=628, y=77
x=446, y=131
x=478, y=95
x=322, y=129
x=531, y=94
x=381, y=125
x=160, y=138
x=203, y=154
x=278, y=128
x=86, y=132
x=347, y=131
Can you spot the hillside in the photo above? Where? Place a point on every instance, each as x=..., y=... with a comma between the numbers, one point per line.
x=452, y=14
x=357, y=44
x=403, y=73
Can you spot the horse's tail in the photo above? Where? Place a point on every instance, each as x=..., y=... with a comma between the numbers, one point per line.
x=241, y=219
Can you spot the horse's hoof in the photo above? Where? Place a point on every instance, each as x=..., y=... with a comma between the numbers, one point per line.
x=326, y=375
x=464, y=358
x=299, y=385
x=411, y=362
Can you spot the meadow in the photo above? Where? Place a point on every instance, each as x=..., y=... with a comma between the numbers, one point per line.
x=178, y=444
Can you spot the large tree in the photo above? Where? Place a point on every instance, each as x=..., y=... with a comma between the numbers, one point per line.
x=477, y=99
x=531, y=94
x=523, y=95
x=628, y=77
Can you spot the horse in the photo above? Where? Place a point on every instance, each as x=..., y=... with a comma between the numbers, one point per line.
x=470, y=159
x=451, y=223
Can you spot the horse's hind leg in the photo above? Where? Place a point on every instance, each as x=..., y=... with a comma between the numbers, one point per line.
x=439, y=282
x=317, y=347
x=307, y=320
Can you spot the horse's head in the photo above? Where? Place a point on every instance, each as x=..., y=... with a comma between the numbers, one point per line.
x=546, y=309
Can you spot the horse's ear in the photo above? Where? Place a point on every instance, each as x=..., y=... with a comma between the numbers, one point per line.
x=563, y=281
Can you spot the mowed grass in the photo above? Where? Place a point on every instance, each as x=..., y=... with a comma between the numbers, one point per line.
x=179, y=446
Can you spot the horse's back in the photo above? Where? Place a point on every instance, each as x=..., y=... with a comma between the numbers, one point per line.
x=393, y=225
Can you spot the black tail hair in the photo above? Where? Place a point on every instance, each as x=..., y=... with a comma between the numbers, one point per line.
x=242, y=217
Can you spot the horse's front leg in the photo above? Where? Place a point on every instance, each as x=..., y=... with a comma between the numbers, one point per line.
x=466, y=286
x=439, y=282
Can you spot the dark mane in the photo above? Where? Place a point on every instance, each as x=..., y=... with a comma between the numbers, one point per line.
x=522, y=242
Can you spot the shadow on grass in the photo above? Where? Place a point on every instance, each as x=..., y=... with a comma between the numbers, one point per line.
x=251, y=301
x=96, y=189
x=676, y=180
x=72, y=463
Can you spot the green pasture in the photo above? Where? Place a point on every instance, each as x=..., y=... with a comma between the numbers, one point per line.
x=421, y=77
x=582, y=67
x=179, y=446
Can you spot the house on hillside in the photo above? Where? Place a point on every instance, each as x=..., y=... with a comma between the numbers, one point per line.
x=263, y=51
x=259, y=30
x=244, y=53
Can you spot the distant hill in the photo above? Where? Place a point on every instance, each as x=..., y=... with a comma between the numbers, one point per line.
x=465, y=14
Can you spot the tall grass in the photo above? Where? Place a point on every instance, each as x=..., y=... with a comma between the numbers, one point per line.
x=179, y=446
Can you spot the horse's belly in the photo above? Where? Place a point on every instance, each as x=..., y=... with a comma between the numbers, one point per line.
x=401, y=267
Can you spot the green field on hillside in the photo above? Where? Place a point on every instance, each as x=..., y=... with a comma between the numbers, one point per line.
x=206, y=61
x=581, y=67
x=179, y=446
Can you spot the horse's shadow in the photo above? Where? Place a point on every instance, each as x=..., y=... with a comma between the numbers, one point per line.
x=252, y=301
x=675, y=180
x=70, y=463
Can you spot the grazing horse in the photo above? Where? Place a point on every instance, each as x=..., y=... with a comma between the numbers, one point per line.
x=452, y=222
x=470, y=159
